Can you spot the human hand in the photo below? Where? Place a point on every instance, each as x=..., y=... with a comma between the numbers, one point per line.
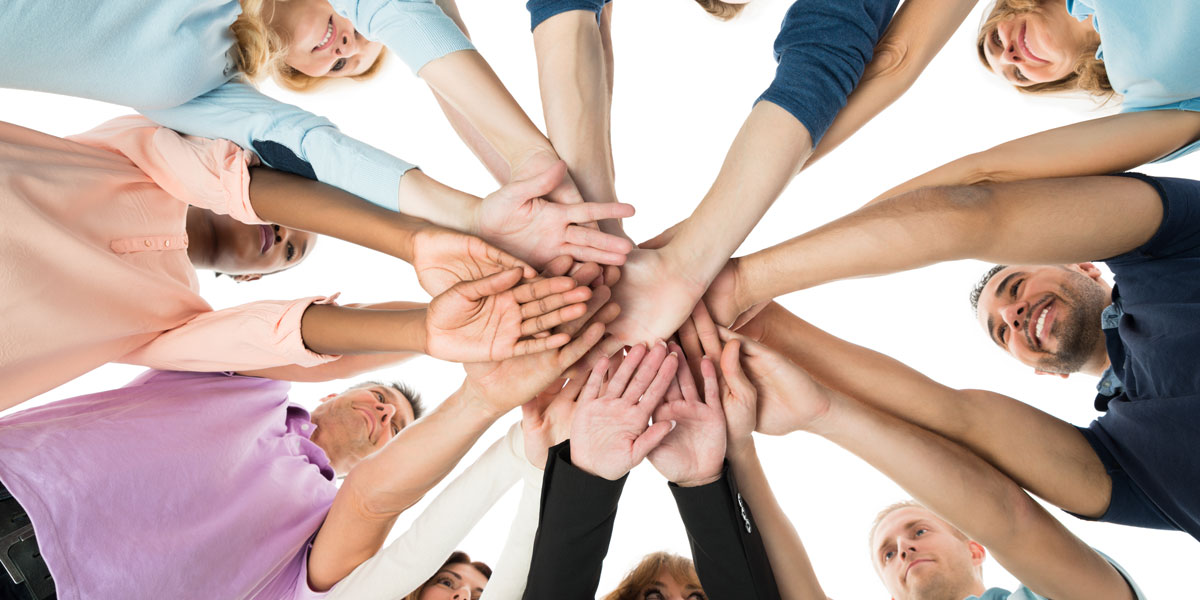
x=661, y=239
x=443, y=257
x=693, y=452
x=489, y=319
x=517, y=219
x=609, y=434
x=540, y=161
x=788, y=397
x=546, y=420
x=655, y=296
x=699, y=337
x=726, y=298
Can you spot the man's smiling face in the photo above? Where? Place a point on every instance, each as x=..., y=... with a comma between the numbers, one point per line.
x=1046, y=316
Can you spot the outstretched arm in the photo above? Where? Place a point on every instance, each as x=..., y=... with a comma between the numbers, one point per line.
x=1043, y=454
x=1097, y=147
x=1047, y=221
x=975, y=497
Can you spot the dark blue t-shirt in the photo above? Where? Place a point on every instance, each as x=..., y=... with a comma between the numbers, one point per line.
x=1147, y=435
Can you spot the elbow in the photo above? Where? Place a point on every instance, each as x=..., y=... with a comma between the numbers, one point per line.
x=962, y=211
x=892, y=61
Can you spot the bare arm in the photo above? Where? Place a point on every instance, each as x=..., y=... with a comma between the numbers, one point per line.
x=972, y=495
x=1014, y=223
x=1096, y=147
x=916, y=34
x=1043, y=454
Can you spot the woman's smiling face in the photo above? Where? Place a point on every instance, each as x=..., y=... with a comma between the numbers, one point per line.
x=1035, y=47
x=322, y=43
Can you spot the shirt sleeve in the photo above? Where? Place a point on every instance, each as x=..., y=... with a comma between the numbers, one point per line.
x=727, y=547
x=416, y=555
x=575, y=525
x=290, y=139
x=540, y=10
x=1179, y=233
x=416, y=30
x=822, y=48
x=257, y=335
x=512, y=569
x=210, y=174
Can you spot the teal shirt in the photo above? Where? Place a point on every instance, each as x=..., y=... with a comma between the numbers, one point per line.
x=1150, y=51
x=172, y=60
x=1024, y=593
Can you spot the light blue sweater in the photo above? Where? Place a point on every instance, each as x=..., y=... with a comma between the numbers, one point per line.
x=1150, y=50
x=172, y=60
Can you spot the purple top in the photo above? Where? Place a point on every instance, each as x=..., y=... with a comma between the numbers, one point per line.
x=178, y=485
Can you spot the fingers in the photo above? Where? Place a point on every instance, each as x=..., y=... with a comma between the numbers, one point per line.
x=661, y=239
x=507, y=260
x=650, y=439
x=548, y=321
x=611, y=275
x=549, y=304
x=689, y=340
x=650, y=396
x=598, y=211
x=543, y=288
x=594, y=238
x=541, y=344
x=599, y=302
x=687, y=383
x=558, y=266
x=586, y=273
x=595, y=380
x=731, y=366
x=488, y=286
x=587, y=253
x=620, y=379
x=706, y=329
x=712, y=388
x=580, y=346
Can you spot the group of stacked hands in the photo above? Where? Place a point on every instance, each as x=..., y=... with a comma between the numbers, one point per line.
x=199, y=479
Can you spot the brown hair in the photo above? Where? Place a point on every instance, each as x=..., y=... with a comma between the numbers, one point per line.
x=456, y=558
x=1089, y=74
x=260, y=52
x=721, y=10
x=680, y=568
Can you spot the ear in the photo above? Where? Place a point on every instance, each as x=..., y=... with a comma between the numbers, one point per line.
x=1041, y=372
x=978, y=552
x=244, y=278
x=1090, y=270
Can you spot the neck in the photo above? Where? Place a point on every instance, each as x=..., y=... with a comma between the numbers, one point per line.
x=202, y=238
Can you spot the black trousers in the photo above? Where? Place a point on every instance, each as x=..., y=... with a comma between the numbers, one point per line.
x=20, y=555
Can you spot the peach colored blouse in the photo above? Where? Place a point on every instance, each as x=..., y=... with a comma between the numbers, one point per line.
x=94, y=265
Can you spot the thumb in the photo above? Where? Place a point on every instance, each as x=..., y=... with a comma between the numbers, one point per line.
x=489, y=286
x=650, y=439
x=541, y=184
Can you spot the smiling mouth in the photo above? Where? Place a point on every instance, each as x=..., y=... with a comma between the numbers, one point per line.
x=328, y=39
x=1035, y=327
x=1025, y=48
x=267, y=235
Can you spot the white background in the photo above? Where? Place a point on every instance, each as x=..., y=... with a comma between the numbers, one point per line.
x=684, y=84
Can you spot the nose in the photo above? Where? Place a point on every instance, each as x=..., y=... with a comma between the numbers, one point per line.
x=348, y=46
x=1014, y=314
x=463, y=593
x=385, y=411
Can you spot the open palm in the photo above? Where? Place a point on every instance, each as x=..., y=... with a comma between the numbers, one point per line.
x=443, y=257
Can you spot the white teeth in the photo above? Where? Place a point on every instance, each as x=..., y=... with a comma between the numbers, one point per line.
x=328, y=34
x=1041, y=322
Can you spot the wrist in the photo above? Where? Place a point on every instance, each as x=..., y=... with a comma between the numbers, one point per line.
x=741, y=450
x=418, y=331
x=699, y=481
x=425, y=198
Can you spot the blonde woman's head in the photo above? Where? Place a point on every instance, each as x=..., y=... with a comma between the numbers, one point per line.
x=1038, y=47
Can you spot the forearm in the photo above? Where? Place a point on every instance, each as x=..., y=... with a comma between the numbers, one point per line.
x=1046, y=221
x=973, y=496
x=346, y=330
x=423, y=197
x=794, y=573
x=300, y=203
x=573, y=78
x=767, y=152
x=468, y=84
x=1097, y=147
x=388, y=482
x=1041, y=453
x=343, y=368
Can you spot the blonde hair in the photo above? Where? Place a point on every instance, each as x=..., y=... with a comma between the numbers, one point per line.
x=891, y=508
x=721, y=10
x=456, y=558
x=1088, y=75
x=260, y=52
x=642, y=575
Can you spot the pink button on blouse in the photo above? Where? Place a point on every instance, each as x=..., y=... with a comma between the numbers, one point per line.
x=94, y=266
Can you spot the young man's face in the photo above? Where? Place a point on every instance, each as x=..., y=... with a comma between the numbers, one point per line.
x=921, y=557
x=1047, y=317
x=358, y=422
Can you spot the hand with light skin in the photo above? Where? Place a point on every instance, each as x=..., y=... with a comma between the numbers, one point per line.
x=609, y=434
x=694, y=452
x=546, y=420
x=443, y=257
x=656, y=294
x=788, y=397
x=517, y=218
x=725, y=298
x=700, y=337
x=490, y=319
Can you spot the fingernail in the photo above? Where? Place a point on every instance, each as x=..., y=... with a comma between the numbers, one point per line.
x=672, y=425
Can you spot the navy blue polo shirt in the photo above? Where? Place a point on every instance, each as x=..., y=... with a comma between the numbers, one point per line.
x=1146, y=437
